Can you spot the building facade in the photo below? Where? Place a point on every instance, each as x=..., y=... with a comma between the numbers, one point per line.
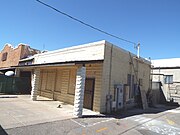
x=99, y=76
x=10, y=57
x=167, y=72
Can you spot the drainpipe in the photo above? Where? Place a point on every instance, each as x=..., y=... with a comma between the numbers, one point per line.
x=109, y=96
x=159, y=74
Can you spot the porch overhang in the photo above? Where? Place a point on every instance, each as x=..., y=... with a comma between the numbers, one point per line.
x=3, y=70
x=177, y=67
x=57, y=64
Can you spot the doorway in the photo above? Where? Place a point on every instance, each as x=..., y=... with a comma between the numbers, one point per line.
x=89, y=93
x=26, y=76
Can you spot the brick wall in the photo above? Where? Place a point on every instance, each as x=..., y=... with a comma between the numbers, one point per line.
x=10, y=56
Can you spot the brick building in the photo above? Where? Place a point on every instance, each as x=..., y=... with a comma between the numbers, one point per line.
x=20, y=79
x=10, y=56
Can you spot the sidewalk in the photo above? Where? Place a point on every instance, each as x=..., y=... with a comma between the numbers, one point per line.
x=20, y=110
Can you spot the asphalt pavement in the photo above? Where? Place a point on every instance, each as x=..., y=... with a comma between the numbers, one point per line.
x=154, y=121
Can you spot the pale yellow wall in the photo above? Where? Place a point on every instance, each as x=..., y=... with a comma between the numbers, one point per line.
x=119, y=63
x=61, y=79
x=112, y=71
x=95, y=71
x=145, y=73
x=105, y=78
x=55, y=83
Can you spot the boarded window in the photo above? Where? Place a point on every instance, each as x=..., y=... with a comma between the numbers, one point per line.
x=72, y=82
x=4, y=56
x=43, y=79
x=50, y=80
x=58, y=81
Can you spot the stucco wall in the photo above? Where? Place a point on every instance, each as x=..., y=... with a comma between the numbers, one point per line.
x=174, y=72
x=158, y=75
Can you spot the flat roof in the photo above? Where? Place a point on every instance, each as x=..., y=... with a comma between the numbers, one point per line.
x=94, y=51
x=166, y=63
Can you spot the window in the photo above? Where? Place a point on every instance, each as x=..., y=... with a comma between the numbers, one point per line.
x=50, y=79
x=140, y=82
x=4, y=56
x=168, y=79
x=130, y=83
x=58, y=81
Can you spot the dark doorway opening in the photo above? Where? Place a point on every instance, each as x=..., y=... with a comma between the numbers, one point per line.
x=27, y=75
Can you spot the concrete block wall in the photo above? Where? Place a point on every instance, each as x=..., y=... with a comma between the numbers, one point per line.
x=116, y=67
x=95, y=71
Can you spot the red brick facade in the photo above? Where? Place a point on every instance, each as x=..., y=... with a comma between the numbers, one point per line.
x=10, y=56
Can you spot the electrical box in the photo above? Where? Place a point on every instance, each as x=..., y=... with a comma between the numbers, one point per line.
x=119, y=92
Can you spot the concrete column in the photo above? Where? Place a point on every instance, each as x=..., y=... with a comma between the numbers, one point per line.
x=79, y=91
x=35, y=84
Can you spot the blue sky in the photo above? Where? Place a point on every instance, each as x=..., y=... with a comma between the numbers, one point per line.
x=153, y=23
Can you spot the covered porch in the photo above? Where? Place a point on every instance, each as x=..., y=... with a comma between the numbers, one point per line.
x=77, y=83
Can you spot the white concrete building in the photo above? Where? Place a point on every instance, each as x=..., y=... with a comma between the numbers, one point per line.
x=167, y=72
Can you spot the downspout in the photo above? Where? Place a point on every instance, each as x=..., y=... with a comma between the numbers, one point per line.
x=110, y=69
x=159, y=74
x=109, y=96
x=137, y=71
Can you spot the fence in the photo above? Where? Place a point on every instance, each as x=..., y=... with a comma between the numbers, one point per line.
x=15, y=85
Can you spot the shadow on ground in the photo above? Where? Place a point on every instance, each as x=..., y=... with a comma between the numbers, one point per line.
x=2, y=131
x=43, y=100
x=135, y=111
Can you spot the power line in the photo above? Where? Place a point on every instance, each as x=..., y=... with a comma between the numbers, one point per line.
x=84, y=23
